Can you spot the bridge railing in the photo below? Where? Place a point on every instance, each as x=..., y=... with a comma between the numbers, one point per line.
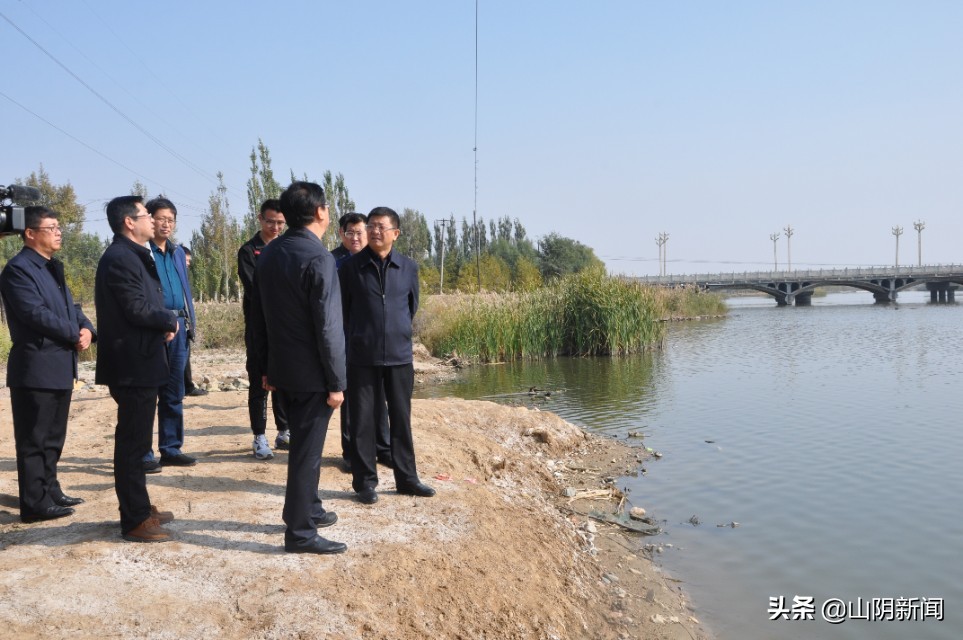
x=795, y=275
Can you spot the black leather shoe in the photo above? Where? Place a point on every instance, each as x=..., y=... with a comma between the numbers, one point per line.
x=367, y=496
x=318, y=545
x=67, y=501
x=345, y=465
x=419, y=489
x=152, y=466
x=180, y=460
x=50, y=513
x=328, y=519
x=197, y=391
x=386, y=461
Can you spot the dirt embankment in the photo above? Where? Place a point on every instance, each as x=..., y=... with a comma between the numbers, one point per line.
x=500, y=552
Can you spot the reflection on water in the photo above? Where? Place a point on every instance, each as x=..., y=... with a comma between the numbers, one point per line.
x=830, y=433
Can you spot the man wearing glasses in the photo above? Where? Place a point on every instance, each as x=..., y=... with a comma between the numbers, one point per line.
x=271, y=221
x=379, y=293
x=354, y=238
x=172, y=270
x=48, y=330
x=135, y=328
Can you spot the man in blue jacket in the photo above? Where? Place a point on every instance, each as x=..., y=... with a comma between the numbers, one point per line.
x=379, y=289
x=299, y=343
x=48, y=330
x=135, y=328
x=172, y=270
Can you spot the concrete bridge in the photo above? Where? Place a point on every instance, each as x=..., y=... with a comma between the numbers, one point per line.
x=797, y=286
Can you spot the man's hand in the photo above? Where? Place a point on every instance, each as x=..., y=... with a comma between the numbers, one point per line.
x=170, y=334
x=86, y=337
x=266, y=386
x=335, y=398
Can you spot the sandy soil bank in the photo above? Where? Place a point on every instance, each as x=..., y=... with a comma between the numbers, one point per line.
x=500, y=552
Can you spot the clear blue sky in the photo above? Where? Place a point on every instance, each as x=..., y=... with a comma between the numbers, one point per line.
x=718, y=123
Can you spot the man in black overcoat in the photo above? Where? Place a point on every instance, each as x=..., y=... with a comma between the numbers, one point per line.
x=299, y=343
x=48, y=330
x=132, y=359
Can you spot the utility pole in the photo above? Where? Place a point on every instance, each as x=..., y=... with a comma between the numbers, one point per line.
x=665, y=253
x=661, y=240
x=775, y=260
x=919, y=225
x=789, y=231
x=897, y=231
x=441, y=281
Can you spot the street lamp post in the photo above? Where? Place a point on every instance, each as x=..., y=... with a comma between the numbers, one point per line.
x=775, y=260
x=897, y=231
x=441, y=280
x=919, y=225
x=789, y=231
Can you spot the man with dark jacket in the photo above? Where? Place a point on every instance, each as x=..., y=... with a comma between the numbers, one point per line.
x=132, y=358
x=380, y=298
x=272, y=224
x=299, y=344
x=354, y=238
x=47, y=330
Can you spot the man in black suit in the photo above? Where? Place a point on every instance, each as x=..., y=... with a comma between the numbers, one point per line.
x=379, y=289
x=299, y=343
x=47, y=330
x=132, y=358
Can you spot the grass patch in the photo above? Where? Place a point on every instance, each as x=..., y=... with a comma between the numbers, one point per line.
x=584, y=314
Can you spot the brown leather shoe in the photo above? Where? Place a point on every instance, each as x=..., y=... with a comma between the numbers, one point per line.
x=162, y=516
x=150, y=530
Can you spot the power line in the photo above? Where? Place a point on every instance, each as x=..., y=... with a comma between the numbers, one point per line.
x=107, y=102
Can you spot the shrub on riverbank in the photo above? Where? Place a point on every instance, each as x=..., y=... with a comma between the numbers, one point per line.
x=588, y=313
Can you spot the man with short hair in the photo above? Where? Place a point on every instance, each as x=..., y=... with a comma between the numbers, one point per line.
x=271, y=221
x=354, y=238
x=299, y=344
x=135, y=328
x=379, y=290
x=48, y=330
x=172, y=271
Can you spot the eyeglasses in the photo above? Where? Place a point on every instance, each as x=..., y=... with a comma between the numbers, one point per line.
x=378, y=229
x=51, y=229
x=139, y=215
x=166, y=221
x=354, y=234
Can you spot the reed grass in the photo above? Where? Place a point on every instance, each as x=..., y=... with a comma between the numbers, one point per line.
x=584, y=314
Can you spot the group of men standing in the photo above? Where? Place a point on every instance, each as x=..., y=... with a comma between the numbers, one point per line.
x=314, y=329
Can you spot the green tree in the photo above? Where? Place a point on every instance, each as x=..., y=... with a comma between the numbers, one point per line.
x=339, y=203
x=415, y=239
x=261, y=186
x=495, y=276
x=526, y=276
x=560, y=256
x=214, y=249
x=139, y=189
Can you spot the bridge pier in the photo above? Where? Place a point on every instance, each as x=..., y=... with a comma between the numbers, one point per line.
x=804, y=300
x=941, y=292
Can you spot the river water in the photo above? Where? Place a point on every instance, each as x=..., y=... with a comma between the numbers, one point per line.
x=831, y=435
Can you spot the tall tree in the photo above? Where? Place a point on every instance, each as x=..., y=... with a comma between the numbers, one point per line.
x=139, y=189
x=339, y=203
x=214, y=248
x=261, y=186
x=415, y=239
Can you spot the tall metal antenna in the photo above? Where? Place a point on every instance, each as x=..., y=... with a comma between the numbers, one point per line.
x=474, y=211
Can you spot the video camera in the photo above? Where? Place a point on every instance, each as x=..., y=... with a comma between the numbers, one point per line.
x=11, y=217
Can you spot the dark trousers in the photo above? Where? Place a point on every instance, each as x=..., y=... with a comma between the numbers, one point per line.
x=189, y=385
x=382, y=433
x=308, y=416
x=134, y=432
x=39, y=432
x=257, y=399
x=398, y=382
